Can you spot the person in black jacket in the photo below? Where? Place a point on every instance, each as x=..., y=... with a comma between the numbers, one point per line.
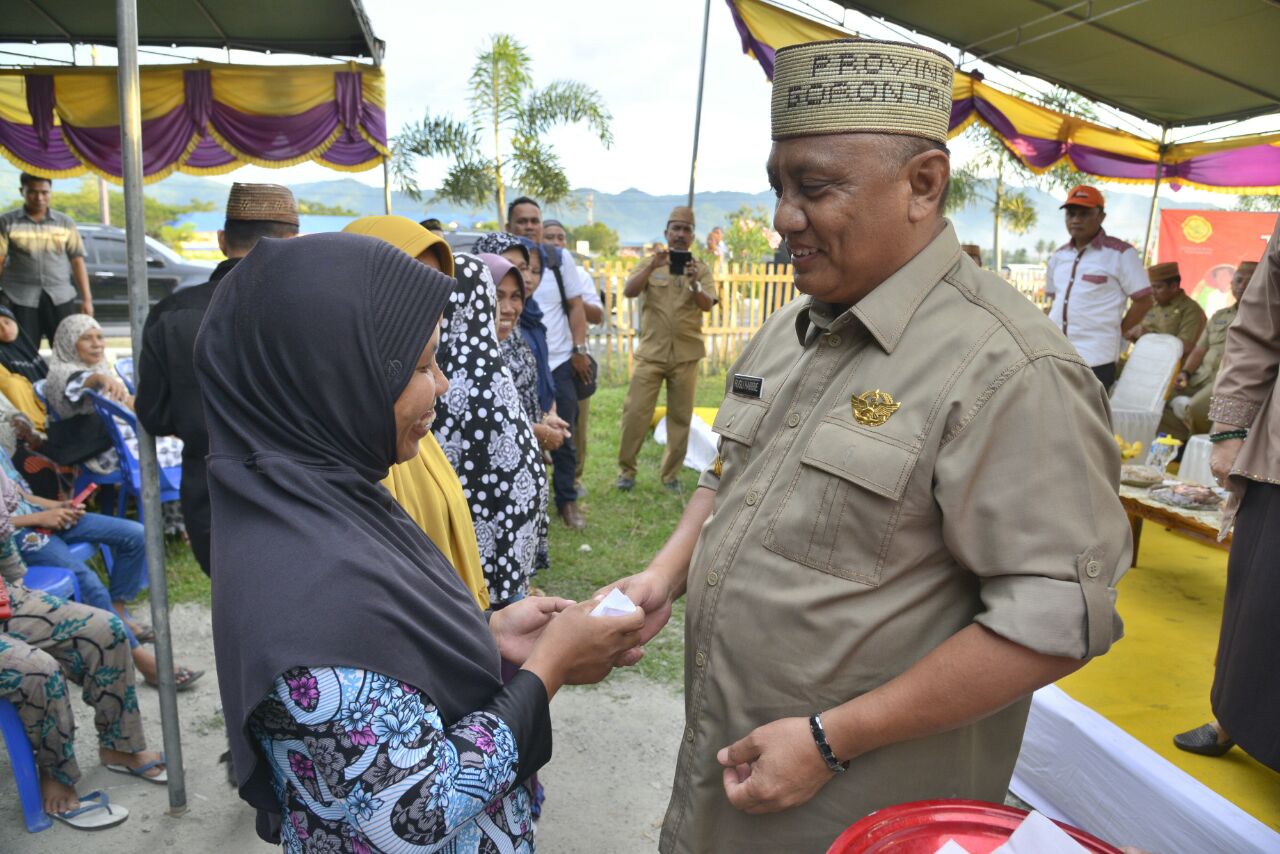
x=168, y=401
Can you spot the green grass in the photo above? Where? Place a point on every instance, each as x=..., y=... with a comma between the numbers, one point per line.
x=624, y=530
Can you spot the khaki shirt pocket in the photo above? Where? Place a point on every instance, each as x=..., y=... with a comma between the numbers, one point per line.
x=841, y=508
x=736, y=424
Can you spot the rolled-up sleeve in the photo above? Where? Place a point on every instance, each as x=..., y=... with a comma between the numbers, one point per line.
x=1028, y=490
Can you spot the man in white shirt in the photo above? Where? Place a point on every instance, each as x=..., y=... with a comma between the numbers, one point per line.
x=554, y=234
x=1091, y=279
x=567, y=350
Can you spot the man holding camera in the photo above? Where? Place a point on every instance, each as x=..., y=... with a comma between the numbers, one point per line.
x=677, y=290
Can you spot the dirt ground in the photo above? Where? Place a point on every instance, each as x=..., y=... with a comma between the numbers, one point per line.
x=607, y=785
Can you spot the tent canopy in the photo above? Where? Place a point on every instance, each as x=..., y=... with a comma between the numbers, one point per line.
x=1171, y=62
x=1041, y=137
x=318, y=27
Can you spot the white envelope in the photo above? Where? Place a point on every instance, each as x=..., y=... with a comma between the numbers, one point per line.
x=616, y=604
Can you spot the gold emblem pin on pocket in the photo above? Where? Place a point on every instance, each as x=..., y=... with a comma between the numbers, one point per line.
x=873, y=408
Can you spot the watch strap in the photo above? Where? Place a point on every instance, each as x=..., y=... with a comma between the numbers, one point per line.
x=820, y=739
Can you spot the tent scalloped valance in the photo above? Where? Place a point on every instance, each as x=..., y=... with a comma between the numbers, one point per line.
x=201, y=118
x=1041, y=137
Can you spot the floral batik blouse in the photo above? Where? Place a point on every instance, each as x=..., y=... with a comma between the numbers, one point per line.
x=363, y=763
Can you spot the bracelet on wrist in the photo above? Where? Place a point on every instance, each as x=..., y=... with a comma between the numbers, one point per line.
x=1228, y=435
x=820, y=739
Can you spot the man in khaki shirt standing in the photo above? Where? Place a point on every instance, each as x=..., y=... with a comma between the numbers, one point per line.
x=669, y=351
x=894, y=547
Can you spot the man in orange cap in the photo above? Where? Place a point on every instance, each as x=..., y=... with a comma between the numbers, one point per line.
x=1091, y=278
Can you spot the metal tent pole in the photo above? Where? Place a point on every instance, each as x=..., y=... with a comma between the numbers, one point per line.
x=697, y=119
x=1155, y=198
x=386, y=183
x=131, y=158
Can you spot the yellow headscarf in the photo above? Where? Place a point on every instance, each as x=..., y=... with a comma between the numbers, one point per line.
x=427, y=486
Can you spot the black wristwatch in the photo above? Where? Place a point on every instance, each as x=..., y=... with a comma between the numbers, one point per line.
x=581, y=349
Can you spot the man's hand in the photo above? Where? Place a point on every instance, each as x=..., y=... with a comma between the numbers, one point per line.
x=1223, y=458
x=775, y=768
x=1135, y=333
x=517, y=627
x=652, y=594
x=1181, y=381
x=57, y=518
x=86, y=306
x=581, y=363
x=659, y=259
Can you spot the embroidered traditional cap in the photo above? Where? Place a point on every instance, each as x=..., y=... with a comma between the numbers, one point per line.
x=861, y=86
x=680, y=213
x=1083, y=196
x=1163, y=272
x=1247, y=267
x=262, y=202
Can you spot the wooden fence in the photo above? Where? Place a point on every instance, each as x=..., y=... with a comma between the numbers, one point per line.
x=749, y=293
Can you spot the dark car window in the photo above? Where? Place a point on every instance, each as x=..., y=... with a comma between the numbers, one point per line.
x=111, y=251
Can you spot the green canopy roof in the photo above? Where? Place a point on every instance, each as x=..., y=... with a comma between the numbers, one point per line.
x=319, y=27
x=1171, y=62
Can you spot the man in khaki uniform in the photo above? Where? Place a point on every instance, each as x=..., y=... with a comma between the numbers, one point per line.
x=1174, y=313
x=1188, y=412
x=669, y=351
x=894, y=547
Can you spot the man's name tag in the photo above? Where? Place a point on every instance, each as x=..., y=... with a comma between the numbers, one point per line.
x=748, y=386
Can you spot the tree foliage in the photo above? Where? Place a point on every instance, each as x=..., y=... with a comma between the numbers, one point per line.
x=81, y=204
x=1258, y=203
x=747, y=235
x=603, y=239
x=502, y=143
x=307, y=206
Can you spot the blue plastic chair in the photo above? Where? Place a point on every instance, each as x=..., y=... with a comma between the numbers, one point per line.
x=124, y=370
x=38, y=388
x=55, y=580
x=130, y=472
x=22, y=756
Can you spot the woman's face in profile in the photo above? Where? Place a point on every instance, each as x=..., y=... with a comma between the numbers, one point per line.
x=8, y=330
x=91, y=347
x=416, y=407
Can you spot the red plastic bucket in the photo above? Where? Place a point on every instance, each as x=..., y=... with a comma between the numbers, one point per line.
x=922, y=827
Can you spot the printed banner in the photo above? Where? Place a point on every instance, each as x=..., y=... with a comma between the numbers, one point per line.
x=1208, y=245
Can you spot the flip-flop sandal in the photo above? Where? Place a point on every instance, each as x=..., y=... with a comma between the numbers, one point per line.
x=141, y=771
x=185, y=676
x=93, y=816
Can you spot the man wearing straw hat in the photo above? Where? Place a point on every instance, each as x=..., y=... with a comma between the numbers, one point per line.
x=169, y=402
x=669, y=351
x=874, y=588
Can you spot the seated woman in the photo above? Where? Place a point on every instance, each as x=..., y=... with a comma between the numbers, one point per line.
x=359, y=679
x=21, y=365
x=43, y=530
x=79, y=364
x=426, y=486
x=45, y=640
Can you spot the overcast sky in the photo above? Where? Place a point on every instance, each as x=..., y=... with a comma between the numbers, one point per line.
x=643, y=58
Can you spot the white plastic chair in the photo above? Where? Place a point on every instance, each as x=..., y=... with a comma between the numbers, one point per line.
x=1137, y=399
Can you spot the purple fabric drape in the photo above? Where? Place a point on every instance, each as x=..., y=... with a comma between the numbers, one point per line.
x=167, y=141
x=40, y=105
x=750, y=44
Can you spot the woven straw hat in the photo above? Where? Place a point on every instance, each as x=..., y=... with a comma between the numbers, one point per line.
x=262, y=203
x=861, y=86
x=1163, y=272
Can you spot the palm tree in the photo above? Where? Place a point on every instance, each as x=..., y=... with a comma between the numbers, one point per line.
x=506, y=107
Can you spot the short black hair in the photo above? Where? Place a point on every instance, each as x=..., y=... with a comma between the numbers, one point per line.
x=523, y=200
x=432, y=224
x=27, y=178
x=244, y=234
x=913, y=146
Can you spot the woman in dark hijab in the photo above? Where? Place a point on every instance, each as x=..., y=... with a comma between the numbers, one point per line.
x=18, y=353
x=359, y=679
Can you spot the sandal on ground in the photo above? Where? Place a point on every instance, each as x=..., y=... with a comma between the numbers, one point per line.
x=184, y=676
x=98, y=815
x=1202, y=740
x=141, y=771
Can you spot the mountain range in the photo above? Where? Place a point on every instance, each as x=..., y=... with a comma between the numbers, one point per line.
x=639, y=217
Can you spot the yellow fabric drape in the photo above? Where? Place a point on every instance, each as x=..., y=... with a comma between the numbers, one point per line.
x=430, y=492
x=778, y=28
x=19, y=392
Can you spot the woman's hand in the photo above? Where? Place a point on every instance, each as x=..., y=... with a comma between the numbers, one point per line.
x=652, y=594
x=517, y=627
x=110, y=387
x=579, y=649
x=555, y=422
x=549, y=438
x=1223, y=458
